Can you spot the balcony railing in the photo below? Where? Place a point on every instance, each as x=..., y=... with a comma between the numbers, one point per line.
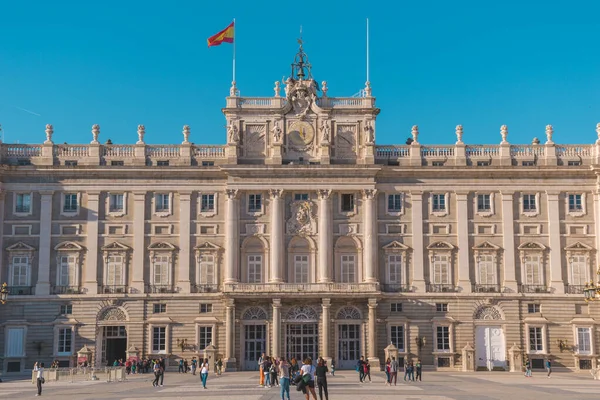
x=441, y=288
x=66, y=290
x=395, y=288
x=574, y=289
x=159, y=289
x=22, y=209
x=481, y=288
x=21, y=290
x=205, y=288
x=533, y=289
x=259, y=288
x=114, y=289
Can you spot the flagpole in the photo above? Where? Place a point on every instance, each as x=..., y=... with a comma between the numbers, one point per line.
x=234, y=29
x=367, y=49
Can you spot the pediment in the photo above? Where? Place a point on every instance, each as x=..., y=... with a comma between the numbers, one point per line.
x=20, y=246
x=532, y=246
x=68, y=246
x=440, y=246
x=207, y=246
x=164, y=246
x=115, y=246
x=578, y=246
x=486, y=246
x=395, y=245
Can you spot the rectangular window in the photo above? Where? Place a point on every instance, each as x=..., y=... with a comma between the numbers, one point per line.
x=15, y=340
x=441, y=270
x=71, y=163
x=533, y=308
x=254, y=202
x=438, y=202
x=395, y=268
x=161, y=270
x=159, y=308
x=578, y=270
x=487, y=272
x=528, y=163
x=161, y=202
x=208, y=163
x=162, y=163
x=205, y=336
x=484, y=202
x=483, y=163
x=348, y=269
x=254, y=269
x=584, y=343
x=67, y=271
x=207, y=203
x=159, y=339
x=535, y=339
x=575, y=203
x=70, y=202
x=116, y=202
x=437, y=163
x=117, y=163
x=66, y=309
x=300, y=196
x=394, y=203
x=19, y=271
x=207, y=269
x=65, y=342
x=23, y=204
x=441, y=307
x=114, y=270
x=443, y=338
x=347, y=202
x=533, y=273
x=395, y=307
x=573, y=163
x=301, y=268
x=205, y=308
x=529, y=203
x=397, y=336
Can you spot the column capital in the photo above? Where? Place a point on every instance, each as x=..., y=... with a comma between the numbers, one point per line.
x=229, y=302
x=369, y=194
x=276, y=303
x=461, y=195
x=232, y=194
x=276, y=194
x=507, y=194
x=416, y=195
x=95, y=193
x=372, y=303
x=552, y=194
x=139, y=196
x=324, y=194
x=326, y=303
x=185, y=195
x=46, y=192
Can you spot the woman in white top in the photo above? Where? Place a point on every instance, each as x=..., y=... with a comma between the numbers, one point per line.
x=204, y=372
x=40, y=376
x=309, y=386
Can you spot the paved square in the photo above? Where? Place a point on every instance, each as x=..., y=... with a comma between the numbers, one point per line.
x=345, y=385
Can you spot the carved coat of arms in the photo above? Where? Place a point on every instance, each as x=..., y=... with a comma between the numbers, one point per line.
x=303, y=221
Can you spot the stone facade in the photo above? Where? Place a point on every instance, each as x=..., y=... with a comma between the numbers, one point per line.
x=300, y=237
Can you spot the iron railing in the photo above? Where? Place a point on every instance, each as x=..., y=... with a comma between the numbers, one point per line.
x=395, y=288
x=159, y=289
x=533, y=289
x=114, y=289
x=486, y=288
x=442, y=288
x=21, y=290
x=67, y=290
x=205, y=288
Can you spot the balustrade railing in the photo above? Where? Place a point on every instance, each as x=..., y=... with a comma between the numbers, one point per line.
x=66, y=290
x=114, y=289
x=258, y=288
x=524, y=150
x=533, y=288
x=21, y=150
x=437, y=151
x=441, y=288
x=209, y=151
x=387, y=152
x=21, y=290
x=68, y=150
x=395, y=288
x=575, y=150
x=341, y=102
x=486, y=288
x=118, y=151
x=205, y=288
x=155, y=289
x=162, y=151
x=482, y=150
x=574, y=289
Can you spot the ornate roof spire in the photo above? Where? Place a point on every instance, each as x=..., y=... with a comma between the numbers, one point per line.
x=301, y=68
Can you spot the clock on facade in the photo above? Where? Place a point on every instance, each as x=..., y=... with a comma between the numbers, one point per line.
x=301, y=133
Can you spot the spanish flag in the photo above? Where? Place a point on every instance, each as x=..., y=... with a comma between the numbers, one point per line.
x=226, y=35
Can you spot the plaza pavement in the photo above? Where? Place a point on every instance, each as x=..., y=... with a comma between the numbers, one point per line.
x=345, y=385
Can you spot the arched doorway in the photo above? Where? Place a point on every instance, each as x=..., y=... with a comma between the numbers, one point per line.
x=348, y=337
x=490, y=347
x=112, y=335
x=302, y=333
x=254, y=336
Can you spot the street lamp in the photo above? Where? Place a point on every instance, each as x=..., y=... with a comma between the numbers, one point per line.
x=4, y=293
x=591, y=291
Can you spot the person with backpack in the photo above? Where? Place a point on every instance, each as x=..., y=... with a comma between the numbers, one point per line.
x=419, y=369
x=307, y=377
x=549, y=367
x=367, y=367
x=527, y=368
x=360, y=368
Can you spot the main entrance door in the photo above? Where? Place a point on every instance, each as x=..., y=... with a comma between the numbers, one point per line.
x=255, y=338
x=302, y=340
x=490, y=348
x=114, y=344
x=348, y=345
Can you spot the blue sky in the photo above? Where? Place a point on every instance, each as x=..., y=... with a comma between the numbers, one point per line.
x=433, y=63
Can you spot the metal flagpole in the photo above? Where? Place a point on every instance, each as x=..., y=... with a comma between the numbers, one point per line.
x=234, y=29
x=367, y=49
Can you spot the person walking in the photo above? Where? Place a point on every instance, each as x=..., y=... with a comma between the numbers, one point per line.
x=321, y=373
x=161, y=362
x=419, y=368
x=219, y=366
x=387, y=371
x=308, y=372
x=180, y=366
x=284, y=378
x=367, y=366
x=332, y=367
x=204, y=372
x=39, y=368
x=393, y=371
x=194, y=365
x=156, y=370
x=549, y=367
x=274, y=372
x=261, y=378
x=360, y=367
x=528, y=368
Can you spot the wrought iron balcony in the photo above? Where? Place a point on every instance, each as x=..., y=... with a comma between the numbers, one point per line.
x=258, y=288
x=21, y=290
x=442, y=288
x=395, y=288
x=66, y=290
x=574, y=289
x=114, y=289
x=481, y=288
x=159, y=289
x=206, y=288
x=533, y=289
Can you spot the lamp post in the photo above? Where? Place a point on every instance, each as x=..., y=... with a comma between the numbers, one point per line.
x=591, y=291
x=4, y=293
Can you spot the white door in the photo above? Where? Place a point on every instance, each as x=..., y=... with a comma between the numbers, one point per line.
x=490, y=348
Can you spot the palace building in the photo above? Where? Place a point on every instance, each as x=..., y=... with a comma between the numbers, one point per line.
x=300, y=237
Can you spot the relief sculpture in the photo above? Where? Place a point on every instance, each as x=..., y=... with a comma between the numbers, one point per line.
x=303, y=221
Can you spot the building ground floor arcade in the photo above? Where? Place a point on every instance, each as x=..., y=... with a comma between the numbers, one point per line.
x=459, y=332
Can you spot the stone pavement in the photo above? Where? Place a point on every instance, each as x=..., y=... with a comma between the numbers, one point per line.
x=345, y=385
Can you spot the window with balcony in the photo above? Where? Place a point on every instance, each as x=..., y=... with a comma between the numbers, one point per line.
x=65, y=342
x=348, y=269
x=161, y=270
x=584, y=341
x=255, y=203
x=533, y=269
x=254, y=269
x=536, y=343
x=115, y=270
x=394, y=203
x=301, y=268
x=397, y=336
x=347, y=202
x=487, y=269
x=116, y=203
x=438, y=202
x=67, y=270
x=207, y=203
x=22, y=203
x=70, y=203
x=159, y=339
x=443, y=338
x=19, y=271
x=394, y=268
x=441, y=269
x=207, y=269
x=205, y=336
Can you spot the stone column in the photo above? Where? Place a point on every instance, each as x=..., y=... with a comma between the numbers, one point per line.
x=325, y=311
x=418, y=281
x=508, y=243
x=372, y=342
x=325, y=236
x=90, y=282
x=277, y=235
x=230, y=335
x=139, y=242
x=370, y=235
x=43, y=280
x=556, y=281
x=462, y=227
x=183, y=272
x=231, y=236
x=276, y=327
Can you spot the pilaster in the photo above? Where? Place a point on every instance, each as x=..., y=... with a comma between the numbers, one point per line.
x=462, y=227
x=325, y=320
x=372, y=342
x=139, y=243
x=183, y=273
x=90, y=283
x=277, y=235
x=43, y=282
x=416, y=199
x=231, y=236
x=230, y=362
x=508, y=239
x=325, y=235
x=276, y=328
x=370, y=235
x=556, y=281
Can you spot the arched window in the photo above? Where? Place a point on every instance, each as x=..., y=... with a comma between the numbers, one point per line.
x=348, y=260
x=254, y=313
x=254, y=260
x=349, y=312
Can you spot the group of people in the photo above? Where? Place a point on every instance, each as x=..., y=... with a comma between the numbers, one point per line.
x=548, y=364
x=283, y=373
x=192, y=366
